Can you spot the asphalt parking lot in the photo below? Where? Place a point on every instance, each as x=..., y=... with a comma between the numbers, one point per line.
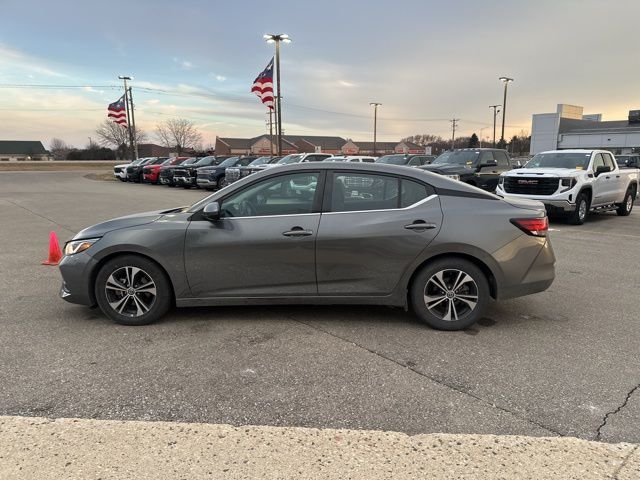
x=563, y=362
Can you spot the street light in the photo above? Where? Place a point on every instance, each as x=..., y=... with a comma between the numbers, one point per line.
x=506, y=81
x=277, y=38
x=496, y=111
x=375, y=106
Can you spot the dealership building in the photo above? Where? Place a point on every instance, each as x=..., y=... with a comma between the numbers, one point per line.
x=569, y=127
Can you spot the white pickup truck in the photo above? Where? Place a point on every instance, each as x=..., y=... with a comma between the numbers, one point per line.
x=573, y=183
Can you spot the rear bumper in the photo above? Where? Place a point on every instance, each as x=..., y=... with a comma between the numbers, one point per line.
x=538, y=277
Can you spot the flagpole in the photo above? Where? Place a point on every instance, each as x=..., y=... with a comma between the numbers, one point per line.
x=133, y=121
x=271, y=132
x=126, y=102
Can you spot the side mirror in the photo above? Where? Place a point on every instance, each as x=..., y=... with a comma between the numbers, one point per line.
x=602, y=169
x=211, y=211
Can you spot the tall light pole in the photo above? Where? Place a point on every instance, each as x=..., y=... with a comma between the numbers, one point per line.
x=496, y=111
x=277, y=38
x=131, y=123
x=375, y=106
x=506, y=81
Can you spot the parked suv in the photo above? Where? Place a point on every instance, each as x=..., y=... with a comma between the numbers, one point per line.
x=212, y=177
x=480, y=167
x=185, y=175
x=629, y=160
x=166, y=172
x=406, y=160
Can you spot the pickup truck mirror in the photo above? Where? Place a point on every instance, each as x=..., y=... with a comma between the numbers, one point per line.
x=211, y=211
x=602, y=169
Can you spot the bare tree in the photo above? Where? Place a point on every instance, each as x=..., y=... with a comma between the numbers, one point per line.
x=178, y=133
x=112, y=134
x=59, y=148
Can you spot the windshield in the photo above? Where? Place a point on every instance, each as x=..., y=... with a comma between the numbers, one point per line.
x=460, y=157
x=393, y=159
x=211, y=160
x=229, y=162
x=260, y=161
x=570, y=160
x=290, y=159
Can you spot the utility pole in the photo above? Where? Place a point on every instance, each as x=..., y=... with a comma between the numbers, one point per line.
x=496, y=111
x=454, y=124
x=127, y=108
x=506, y=81
x=375, y=106
x=271, y=38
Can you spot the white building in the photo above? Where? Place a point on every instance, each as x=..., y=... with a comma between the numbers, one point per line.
x=568, y=127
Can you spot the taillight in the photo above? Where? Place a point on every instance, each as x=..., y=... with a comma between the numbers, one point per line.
x=537, y=227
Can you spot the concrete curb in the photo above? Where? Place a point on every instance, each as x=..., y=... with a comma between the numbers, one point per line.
x=32, y=447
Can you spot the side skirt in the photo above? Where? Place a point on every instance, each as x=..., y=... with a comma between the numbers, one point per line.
x=391, y=300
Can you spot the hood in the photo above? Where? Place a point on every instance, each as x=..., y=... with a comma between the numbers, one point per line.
x=447, y=169
x=543, y=172
x=134, y=220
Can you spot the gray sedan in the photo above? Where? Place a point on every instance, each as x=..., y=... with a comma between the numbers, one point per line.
x=318, y=233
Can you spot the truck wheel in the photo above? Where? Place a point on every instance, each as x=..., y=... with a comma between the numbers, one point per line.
x=449, y=294
x=626, y=206
x=579, y=215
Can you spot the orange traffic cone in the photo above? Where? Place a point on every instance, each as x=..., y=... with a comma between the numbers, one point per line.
x=55, y=254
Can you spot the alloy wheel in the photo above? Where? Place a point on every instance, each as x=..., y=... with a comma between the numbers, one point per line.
x=451, y=294
x=130, y=291
x=629, y=203
x=582, y=212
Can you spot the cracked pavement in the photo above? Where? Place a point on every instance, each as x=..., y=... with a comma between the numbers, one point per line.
x=564, y=362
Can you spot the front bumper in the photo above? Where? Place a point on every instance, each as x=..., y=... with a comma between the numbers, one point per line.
x=552, y=203
x=206, y=182
x=185, y=181
x=77, y=278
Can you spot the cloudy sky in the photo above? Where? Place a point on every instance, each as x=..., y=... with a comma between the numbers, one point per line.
x=425, y=61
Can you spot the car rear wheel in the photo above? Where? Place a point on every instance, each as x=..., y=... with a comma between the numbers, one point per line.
x=626, y=206
x=132, y=290
x=450, y=294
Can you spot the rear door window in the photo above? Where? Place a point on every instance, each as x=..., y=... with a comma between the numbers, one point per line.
x=353, y=191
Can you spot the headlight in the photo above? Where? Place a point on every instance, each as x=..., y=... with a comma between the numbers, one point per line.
x=568, y=183
x=453, y=177
x=77, y=246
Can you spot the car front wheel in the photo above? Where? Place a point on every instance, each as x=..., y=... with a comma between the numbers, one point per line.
x=133, y=290
x=579, y=215
x=450, y=294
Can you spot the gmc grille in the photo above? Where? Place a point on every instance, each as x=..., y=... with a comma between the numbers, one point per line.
x=531, y=185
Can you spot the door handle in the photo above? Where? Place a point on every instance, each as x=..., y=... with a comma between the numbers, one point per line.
x=420, y=225
x=297, y=232
x=607, y=177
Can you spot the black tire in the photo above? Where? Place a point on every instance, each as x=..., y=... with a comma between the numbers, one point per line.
x=436, y=316
x=624, y=209
x=221, y=183
x=579, y=215
x=130, y=308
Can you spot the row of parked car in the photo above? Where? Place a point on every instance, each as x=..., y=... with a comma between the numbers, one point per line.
x=569, y=183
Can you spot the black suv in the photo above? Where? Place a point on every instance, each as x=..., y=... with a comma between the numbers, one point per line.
x=213, y=177
x=406, y=160
x=185, y=175
x=480, y=167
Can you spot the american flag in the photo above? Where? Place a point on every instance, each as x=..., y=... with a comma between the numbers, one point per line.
x=263, y=86
x=117, y=113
